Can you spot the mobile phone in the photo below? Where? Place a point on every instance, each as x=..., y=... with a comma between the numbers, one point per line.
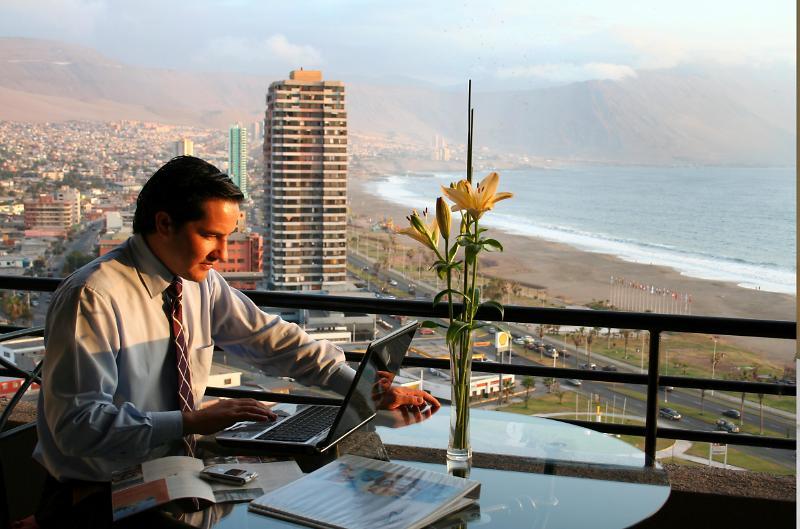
x=234, y=476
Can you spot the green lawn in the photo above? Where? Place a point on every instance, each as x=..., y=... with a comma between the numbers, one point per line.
x=740, y=459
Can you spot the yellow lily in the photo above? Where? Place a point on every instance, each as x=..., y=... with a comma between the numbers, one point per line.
x=476, y=201
x=421, y=230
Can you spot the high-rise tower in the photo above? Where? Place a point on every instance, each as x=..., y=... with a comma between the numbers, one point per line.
x=305, y=165
x=237, y=157
x=183, y=147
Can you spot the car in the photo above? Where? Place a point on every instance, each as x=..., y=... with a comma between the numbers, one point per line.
x=393, y=282
x=528, y=338
x=609, y=368
x=588, y=366
x=426, y=331
x=669, y=388
x=574, y=381
x=491, y=330
x=365, y=269
x=519, y=341
x=727, y=426
x=669, y=413
x=732, y=413
x=551, y=353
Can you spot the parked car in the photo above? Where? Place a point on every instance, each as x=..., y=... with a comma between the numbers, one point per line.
x=574, y=381
x=588, y=366
x=393, y=282
x=727, y=426
x=732, y=413
x=519, y=341
x=426, y=331
x=491, y=330
x=669, y=413
x=551, y=353
x=669, y=388
x=528, y=338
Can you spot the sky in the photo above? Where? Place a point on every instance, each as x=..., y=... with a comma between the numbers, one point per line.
x=501, y=43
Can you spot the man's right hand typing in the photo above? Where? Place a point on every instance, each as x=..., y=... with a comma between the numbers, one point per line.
x=224, y=413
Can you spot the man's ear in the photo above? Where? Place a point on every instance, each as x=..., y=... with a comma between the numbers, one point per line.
x=163, y=223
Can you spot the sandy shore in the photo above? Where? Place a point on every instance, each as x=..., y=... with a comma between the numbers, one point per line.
x=580, y=277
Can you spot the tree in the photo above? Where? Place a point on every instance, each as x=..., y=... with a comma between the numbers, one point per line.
x=549, y=383
x=528, y=383
x=589, y=339
x=626, y=334
x=577, y=339
x=75, y=260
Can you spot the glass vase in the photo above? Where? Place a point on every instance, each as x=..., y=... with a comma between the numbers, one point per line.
x=459, y=451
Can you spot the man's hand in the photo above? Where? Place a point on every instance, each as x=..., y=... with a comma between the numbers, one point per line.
x=405, y=416
x=393, y=397
x=224, y=413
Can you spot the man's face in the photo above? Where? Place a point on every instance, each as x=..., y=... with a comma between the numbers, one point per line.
x=191, y=250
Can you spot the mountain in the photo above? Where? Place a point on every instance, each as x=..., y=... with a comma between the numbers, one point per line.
x=708, y=115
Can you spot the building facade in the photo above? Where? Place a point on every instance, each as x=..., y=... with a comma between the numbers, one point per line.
x=237, y=157
x=183, y=147
x=52, y=215
x=305, y=164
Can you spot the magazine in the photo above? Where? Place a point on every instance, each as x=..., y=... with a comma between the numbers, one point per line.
x=165, y=479
x=358, y=493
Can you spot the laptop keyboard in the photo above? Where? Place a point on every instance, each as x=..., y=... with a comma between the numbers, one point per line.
x=302, y=426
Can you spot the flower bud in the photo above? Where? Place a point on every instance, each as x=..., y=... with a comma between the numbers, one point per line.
x=443, y=217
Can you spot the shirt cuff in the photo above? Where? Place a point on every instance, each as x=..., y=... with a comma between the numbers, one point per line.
x=167, y=426
x=341, y=379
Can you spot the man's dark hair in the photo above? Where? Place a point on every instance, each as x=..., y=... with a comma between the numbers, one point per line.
x=179, y=188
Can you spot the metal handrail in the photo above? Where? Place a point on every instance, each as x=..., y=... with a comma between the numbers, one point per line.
x=654, y=324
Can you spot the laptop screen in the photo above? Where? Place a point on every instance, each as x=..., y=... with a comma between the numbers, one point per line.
x=382, y=365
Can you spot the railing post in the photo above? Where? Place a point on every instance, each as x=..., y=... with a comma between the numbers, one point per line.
x=651, y=406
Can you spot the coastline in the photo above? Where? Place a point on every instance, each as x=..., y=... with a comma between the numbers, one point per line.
x=580, y=277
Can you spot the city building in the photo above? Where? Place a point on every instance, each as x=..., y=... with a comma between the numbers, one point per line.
x=52, y=215
x=183, y=147
x=245, y=254
x=441, y=152
x=237, y=157
x=305, y=178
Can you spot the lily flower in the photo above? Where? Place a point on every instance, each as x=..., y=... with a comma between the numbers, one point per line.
x=476, y=200
x=427, y=233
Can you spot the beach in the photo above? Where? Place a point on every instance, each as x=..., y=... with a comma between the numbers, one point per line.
x=580, y=277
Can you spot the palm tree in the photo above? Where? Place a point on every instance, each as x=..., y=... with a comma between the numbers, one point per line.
x=626, y=333
x=528, y=383
x=577, y=338
x=589, y=339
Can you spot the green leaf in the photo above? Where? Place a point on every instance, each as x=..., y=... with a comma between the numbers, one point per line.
x=444, y=292
x=492, y=243
x=430, y=324
x=452, y=254
x=495, y=304
x=457, y=327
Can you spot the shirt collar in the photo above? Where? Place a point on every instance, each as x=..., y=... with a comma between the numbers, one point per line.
x=154, y=275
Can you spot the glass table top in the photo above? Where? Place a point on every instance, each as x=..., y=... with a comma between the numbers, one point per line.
x=510, y=498
x=496, y=432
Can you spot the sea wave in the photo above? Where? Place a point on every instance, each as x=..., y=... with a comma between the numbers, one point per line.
x=752, y=275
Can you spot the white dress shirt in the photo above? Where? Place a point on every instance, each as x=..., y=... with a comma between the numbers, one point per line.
x=109, y=384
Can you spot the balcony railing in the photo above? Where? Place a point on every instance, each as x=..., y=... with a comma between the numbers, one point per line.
x=655, y=324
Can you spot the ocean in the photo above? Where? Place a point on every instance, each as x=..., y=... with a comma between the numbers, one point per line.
x=721, y=223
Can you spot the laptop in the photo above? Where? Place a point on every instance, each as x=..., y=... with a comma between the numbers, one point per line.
x=314, y=428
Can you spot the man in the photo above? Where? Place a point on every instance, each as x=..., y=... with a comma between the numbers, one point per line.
x=129, y=338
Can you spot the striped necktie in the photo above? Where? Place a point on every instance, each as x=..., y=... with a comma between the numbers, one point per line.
x=185, y=397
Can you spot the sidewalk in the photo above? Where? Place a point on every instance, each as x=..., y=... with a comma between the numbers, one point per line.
x=678, y=450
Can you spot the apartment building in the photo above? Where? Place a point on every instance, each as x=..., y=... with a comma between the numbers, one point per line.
x=305, y=160
x=52, y=215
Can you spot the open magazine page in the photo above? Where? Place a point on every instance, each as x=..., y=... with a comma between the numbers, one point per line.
x=157, y=482
x=356, y=492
